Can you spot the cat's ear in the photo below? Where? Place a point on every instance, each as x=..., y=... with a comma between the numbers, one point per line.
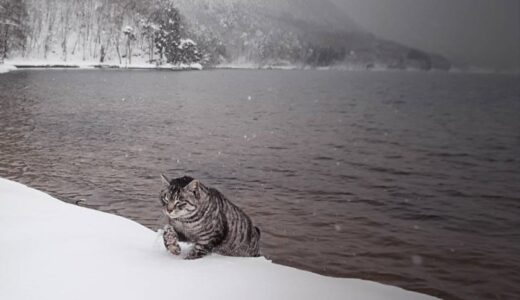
x=194, y=185
x=165, y=179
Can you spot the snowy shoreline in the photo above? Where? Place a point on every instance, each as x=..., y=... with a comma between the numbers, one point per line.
x=14, y=64
x=5, y=68
x=54, y=250
x=51, y=64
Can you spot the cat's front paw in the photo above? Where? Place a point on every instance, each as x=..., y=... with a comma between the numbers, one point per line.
x=192, y=256
x=168, y=228
x=197, y=252
x=170, y=240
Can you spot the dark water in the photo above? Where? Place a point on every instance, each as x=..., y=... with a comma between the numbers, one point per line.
x=411, y=179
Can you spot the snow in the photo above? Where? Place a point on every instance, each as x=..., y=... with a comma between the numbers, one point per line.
x=54, y=250
x=128, y=30
x=78, y=63
x=4, y=68
x=254, y=66
x=196, y=66
x=81, y=64
x=187, y=42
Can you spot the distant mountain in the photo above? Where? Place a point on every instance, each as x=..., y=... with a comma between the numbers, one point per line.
x=323, y=14
x=296, y=32
x=253, y=32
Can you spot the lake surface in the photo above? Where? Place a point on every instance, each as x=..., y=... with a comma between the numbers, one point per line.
x=410, y=179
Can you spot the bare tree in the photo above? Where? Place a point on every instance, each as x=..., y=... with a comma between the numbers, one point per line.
x=12, y=26
x=130, y=36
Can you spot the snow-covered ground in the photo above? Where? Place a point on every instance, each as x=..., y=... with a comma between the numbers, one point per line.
x=4, y=68
x=54, y=250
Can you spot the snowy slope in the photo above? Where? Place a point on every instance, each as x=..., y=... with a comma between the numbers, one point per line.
x=53, y=250
x=296, y=32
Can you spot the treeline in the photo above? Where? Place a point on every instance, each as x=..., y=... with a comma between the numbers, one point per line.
x=97, y=30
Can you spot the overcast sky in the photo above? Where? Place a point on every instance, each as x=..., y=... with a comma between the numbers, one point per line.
x=478, y=32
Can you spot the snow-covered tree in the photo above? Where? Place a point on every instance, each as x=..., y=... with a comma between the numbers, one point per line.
x=130, y=36
x=170, y=36
x=149, y=29
x=170, y=30
x=188, y=52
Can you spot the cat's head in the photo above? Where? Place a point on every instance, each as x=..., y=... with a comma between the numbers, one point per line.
x=181, y=196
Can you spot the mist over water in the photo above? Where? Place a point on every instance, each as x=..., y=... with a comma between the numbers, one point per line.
x=404, y=178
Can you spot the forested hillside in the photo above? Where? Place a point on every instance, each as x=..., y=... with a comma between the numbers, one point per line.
x=96, y=30
x=263, y=33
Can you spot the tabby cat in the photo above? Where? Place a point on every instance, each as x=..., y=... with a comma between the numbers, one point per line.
x=205, y=217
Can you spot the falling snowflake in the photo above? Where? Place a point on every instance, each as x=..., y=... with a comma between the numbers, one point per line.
x=417, y=260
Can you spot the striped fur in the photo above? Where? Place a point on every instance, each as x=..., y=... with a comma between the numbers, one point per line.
x=207, y=218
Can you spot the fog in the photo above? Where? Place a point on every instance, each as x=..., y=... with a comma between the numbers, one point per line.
x=483, y=33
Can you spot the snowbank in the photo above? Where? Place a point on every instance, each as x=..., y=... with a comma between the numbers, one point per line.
x=53, y=250
x=6, y=68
